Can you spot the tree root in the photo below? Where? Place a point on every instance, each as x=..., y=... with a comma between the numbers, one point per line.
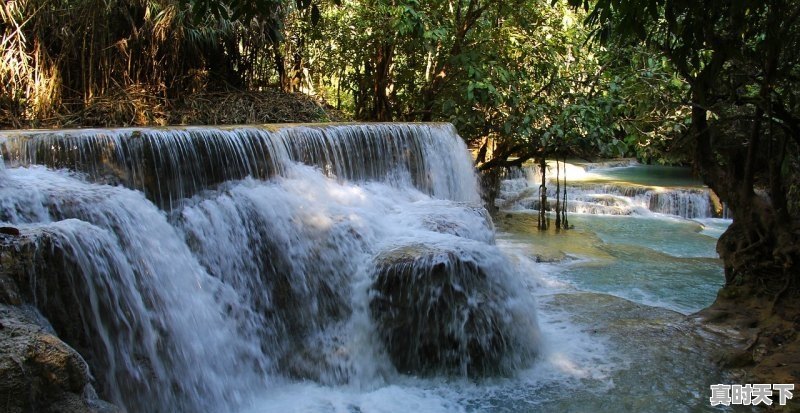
x=780, y=294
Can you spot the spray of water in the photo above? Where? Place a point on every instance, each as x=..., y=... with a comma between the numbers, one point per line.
x=244, y=257
x=520, y=191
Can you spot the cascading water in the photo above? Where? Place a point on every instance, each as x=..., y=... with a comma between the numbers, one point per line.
x=647, y=229
x=589, y=191
x=151, y=312
x=170, y=165
x=239, y=257
x=2, y=162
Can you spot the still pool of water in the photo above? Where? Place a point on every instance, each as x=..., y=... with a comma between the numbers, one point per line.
x=658, y=261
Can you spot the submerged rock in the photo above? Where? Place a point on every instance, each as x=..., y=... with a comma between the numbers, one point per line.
x=441, y=310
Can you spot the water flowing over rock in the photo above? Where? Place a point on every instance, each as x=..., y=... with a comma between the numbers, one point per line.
x=447, y=309
x=40, y=372
x=521, y=191
x=169, y=165
x=193, y=267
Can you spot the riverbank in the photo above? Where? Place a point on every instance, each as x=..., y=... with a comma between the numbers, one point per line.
x=769, y=343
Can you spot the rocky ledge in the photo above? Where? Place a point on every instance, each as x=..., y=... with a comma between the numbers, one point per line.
x=441, y=310
x=40, y=372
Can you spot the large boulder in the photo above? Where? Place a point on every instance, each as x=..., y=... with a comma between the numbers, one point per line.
x=35, y=269
x=441, y=309
x=40, y=372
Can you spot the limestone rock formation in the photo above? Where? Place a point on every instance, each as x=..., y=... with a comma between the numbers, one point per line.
x=40, y=372
x=439, y=310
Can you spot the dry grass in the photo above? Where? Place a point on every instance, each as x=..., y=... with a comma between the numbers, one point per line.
x=130, y=62
x=270, y=106
x=136, y=107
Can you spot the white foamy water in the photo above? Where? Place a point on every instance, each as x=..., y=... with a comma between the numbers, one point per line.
x=235, y=270
x=259, y=283
x=151, y=311
x=605, y=191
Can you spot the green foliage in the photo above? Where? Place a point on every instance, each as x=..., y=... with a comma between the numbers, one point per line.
x=237, y=10
x=519, y=73
x=740, y=61
x=650, y=102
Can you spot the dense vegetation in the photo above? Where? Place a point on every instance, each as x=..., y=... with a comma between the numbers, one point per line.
x=519, y=73
x=710, y=83
x=741, y=61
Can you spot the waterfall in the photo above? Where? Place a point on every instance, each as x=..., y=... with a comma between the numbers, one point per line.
x=206, y=263
x=683, y=203
x=170, y=165
x=2, y=161
x=589, y=195
x=132, y=271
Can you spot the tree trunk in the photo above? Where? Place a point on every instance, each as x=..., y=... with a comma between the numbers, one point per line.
x=543, y=192
x=558, y=195
x=381, y=104
x=759, y=251
x=280, y=67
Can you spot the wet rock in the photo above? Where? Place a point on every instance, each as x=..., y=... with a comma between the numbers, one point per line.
x=9, y=231
x=323, y=357
x=16, y=257
x=9, y=294
x=438, y=310
x=44, y=373
x=36, y=269
x=40, y=372
x=717, y=207
x=549, y=259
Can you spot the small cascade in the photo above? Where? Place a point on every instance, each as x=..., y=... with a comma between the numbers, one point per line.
x=726, y=212
x=683, y=203
x=193, y=268
x=591, y=193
